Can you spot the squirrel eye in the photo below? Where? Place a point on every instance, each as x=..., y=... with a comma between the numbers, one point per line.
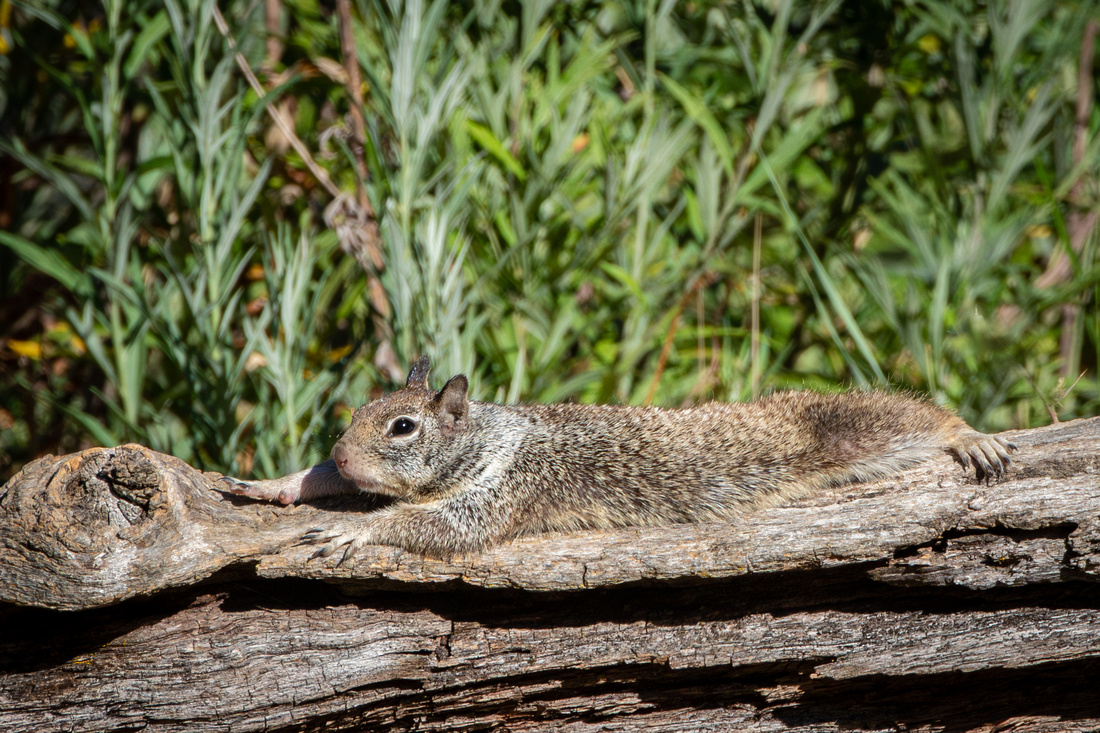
x=402, y=426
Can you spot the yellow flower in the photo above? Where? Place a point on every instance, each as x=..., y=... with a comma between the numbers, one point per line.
x=29, y=349
x=929, y=43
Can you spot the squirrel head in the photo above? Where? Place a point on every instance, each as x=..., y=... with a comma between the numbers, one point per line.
x=403, y=441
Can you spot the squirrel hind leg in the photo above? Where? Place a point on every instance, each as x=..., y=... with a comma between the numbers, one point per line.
x=989, y=454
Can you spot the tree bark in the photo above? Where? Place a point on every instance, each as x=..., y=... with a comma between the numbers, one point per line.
x=135, y=595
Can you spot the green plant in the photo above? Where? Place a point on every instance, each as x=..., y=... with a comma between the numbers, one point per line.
x=598, y=201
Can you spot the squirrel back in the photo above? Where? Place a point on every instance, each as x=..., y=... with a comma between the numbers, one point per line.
x=467, y=475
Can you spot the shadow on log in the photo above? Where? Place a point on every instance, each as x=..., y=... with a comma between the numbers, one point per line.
x=138, y=596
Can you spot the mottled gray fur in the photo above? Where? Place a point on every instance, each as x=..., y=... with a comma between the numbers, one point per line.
x=468, y=475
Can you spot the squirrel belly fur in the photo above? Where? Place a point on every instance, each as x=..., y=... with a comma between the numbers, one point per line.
x=467, y=475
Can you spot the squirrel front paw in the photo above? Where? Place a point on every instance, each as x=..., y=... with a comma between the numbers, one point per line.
x=990, y=454
x=273, y=490
x=332, y=542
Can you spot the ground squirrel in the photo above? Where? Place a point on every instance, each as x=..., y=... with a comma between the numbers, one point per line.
x=467, y=475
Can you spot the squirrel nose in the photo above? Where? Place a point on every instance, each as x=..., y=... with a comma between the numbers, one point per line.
x=340, y=455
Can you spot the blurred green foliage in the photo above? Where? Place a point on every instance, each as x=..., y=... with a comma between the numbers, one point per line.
x=592, y=201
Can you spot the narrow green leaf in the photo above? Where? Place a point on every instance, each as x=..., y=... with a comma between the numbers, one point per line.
x=799, y=137
x=485, y=138
x=100, y=433
x=624, y=278
x=48, y=261
x=701, y=114
x=149, y=36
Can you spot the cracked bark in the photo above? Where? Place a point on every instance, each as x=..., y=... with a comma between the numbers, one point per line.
x=135, y=595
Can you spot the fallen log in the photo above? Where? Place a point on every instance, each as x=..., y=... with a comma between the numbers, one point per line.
x=136, y=595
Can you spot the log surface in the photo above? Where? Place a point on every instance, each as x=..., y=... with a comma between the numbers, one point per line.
x=136, y=596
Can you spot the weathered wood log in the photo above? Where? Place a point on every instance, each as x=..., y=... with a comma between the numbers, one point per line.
x=138, y=596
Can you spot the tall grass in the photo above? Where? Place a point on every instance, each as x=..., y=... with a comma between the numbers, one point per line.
x=575, y=201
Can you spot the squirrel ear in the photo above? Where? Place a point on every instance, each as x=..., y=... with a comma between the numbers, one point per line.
x=453, y=405
x=418, y=375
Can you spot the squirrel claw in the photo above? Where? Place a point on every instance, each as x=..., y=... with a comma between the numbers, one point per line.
x=312, y=537
x=989, y=454
x=233, y=485
x=333, y=542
